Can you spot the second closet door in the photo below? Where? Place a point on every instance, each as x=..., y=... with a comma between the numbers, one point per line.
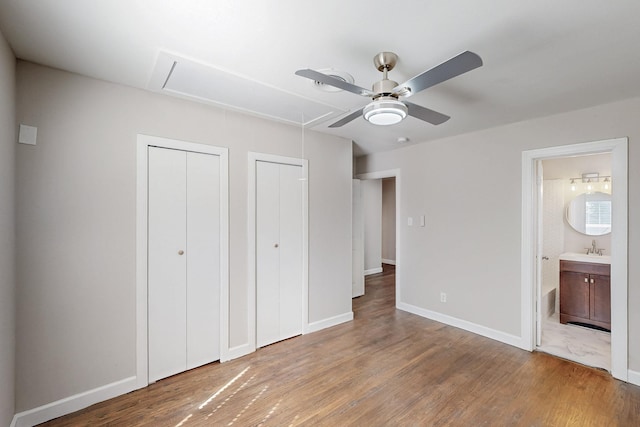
x=278, y=252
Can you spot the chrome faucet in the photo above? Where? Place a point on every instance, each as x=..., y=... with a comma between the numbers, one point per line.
x=593, y=249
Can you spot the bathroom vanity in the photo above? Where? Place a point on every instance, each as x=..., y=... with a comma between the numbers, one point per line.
x=585, y=290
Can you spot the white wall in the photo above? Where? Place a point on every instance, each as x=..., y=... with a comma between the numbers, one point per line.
x=7, y=235
x=76, y=222
x=372, y=207
x=389, y=220
x=470, y=247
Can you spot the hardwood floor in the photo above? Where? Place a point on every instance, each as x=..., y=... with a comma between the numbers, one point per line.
x=386, y=368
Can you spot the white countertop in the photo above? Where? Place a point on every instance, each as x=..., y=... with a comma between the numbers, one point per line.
x=581, y=257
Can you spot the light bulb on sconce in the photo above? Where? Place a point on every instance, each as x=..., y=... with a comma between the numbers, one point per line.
x=591, y=182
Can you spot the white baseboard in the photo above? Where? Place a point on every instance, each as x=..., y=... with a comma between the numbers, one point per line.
x=239, y=351
x=463, y=324
x=389, y=261
x=373, y=271
x=634, y=377
x=327, y=323
x=73, y=403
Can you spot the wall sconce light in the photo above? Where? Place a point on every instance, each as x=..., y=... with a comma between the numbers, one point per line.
x=573, y=184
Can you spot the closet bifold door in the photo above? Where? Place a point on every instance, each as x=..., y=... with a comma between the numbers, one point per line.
x=203, y=259
x=183, y=260
x=290, y=251
x=167, y=287
x=278, y=252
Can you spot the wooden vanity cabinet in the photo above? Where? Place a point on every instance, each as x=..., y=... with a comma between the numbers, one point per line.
x=585, y=293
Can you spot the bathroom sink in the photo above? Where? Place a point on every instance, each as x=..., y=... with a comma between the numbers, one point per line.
x=574, y=256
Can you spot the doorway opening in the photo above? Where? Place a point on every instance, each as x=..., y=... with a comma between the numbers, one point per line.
x=575, y=234
x=532, y=244
x=379, y=194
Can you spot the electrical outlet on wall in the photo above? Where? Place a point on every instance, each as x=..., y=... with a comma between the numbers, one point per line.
x=443, y=297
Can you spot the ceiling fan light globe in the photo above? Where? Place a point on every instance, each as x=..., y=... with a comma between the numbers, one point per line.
x=385, y=112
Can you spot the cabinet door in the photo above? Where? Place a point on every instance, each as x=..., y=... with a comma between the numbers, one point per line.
x=574, y=294
x=600, y=305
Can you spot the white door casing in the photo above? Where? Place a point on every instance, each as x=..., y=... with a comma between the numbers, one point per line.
x=619, y=236
x=539, y=240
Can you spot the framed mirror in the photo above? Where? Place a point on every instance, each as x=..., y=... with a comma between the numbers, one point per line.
x=590, y=213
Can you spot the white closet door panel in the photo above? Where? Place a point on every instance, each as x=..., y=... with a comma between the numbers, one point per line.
x=203, y=259
x=167, y=268
x=267, y=253
x=290, y=251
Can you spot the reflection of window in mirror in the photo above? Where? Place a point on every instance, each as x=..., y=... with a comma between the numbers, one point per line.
x=598, y=216
x=590, y=213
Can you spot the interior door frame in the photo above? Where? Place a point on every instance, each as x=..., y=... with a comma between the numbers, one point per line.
x=619, y=236
x=143, y=144
x=253, y=158
x=392, y=173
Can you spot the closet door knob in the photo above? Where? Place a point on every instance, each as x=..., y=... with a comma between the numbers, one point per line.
x=180, y=252
x=275, y=246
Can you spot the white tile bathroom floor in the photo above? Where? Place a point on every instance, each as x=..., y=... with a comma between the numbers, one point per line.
x=580, y=344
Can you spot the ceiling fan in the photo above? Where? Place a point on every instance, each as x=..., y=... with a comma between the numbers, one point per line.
x=385, y=107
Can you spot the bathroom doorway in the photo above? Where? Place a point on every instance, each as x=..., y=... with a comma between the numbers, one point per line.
x=569, y=234
x=533, y=255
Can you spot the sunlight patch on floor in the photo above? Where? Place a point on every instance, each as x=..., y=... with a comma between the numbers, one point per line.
x=234, y=379
x=217, y=393
x=248, y=405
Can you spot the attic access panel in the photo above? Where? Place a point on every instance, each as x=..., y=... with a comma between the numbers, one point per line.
x=193, y=80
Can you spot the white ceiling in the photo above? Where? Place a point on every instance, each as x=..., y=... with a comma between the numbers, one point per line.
x=540, y=57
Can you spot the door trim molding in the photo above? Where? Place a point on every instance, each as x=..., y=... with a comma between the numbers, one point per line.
x=143, y=142
x=619, y=235
x=253, y=158
x=392, y=173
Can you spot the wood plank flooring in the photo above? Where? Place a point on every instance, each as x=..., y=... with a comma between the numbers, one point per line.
x=386, y=368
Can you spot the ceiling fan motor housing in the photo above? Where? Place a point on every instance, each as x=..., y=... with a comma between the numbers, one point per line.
x=384, y=88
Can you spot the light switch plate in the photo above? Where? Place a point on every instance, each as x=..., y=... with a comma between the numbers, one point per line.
x=410, y=221
x=422, y=221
